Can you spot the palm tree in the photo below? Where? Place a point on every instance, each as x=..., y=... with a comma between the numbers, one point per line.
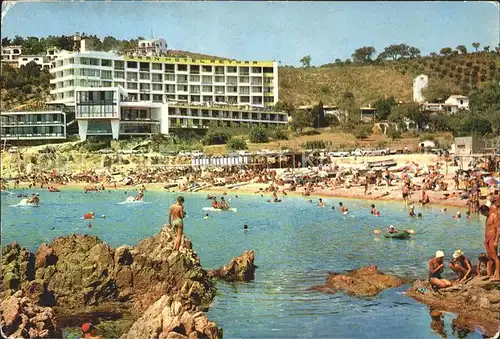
x=476, y=45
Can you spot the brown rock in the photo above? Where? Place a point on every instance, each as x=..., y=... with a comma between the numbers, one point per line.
x=471, y=301
x=241, y=268
x=365, y=282
x=45, y=256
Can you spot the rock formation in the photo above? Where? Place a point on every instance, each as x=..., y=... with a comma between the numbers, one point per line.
x=81, y=274
x=21, y=318
x=477, y=302
x=240, y=268
x=173, y=317
x=363, y=282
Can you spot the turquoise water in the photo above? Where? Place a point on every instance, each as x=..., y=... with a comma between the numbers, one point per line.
x=295, y=243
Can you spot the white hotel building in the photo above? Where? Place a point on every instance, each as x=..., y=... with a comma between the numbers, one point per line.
x=119, y=95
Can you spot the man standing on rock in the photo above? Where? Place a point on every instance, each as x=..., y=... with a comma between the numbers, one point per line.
x=175, y=219
x=491, y=235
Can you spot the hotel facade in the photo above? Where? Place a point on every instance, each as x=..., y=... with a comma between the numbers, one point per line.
x=141, y=94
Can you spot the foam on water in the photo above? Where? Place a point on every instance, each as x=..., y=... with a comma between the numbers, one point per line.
x=296, y=244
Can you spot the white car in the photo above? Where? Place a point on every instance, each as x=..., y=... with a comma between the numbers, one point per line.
x=375, y=152
x=358, y=152
x=339, y=154
x=197, y=154
x=184, y=153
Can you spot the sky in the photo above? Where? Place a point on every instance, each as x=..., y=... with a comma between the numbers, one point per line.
x=251, y=30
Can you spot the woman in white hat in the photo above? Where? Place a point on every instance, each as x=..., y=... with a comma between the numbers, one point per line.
x=436, y=267
x=461, y=265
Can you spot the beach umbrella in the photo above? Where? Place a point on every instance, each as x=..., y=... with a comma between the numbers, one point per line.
x=491, y=181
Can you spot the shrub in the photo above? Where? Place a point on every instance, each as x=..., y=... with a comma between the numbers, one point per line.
x=93, y=144
x=258, y=135
x=316, y=144
x=237, y=144
x=279, y=134
x=394, y=134
x=362, y=131
x=215, y=137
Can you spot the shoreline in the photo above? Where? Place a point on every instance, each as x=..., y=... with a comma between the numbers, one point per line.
x=255, y=188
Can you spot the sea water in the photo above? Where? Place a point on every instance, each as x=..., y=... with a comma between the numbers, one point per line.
x=296, y=244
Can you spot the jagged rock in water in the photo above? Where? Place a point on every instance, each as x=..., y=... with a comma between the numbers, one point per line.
x=173, y=317
x=22, y=318
x=240, y=268
x=477, y=302
x=364, y=282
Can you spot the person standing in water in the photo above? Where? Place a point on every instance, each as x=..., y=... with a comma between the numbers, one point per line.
x=321, y=203
x=491, y=241
x=175, y=219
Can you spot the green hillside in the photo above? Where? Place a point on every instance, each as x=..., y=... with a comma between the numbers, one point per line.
x=456, y=74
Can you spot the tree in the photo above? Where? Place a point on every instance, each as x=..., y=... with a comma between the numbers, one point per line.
x=237, y=144
x=445, y=51
x=362, y=131
x=486, y=49
x=258, y=135
x=383, y=107
x=410, y=111
x=338, y=62
x=394, y=134
x=301, y=119
x=216, y=137
x=462, y=49
x=318, y=114
x=414, y=52
x=306, y=61
x=396, y=52
x=476, y=45
x=363, y=55
x=439, y=90
x=348, y=104
x=5, y=42
x=432, y=55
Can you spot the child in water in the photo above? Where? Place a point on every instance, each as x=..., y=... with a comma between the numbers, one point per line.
x=206, y=216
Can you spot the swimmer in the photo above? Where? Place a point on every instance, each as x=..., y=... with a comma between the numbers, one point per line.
x=103, y=216
x=342, y=208
x=89, y=225
x=310, y=201
x=236, y=197
x=443, y=210
x=468, y=214
x=333, y=208
x=206, y=216
x=457, y=216
x=245, y=227
x=419, y=215
x=88, y=215
x=411, y=211
x=374, y=211
x=321, y=203
x=392, y=229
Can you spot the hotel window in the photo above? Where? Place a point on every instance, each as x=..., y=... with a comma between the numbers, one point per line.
x=195, y=98
x=90, y=72
x=232, y=99
x=268, y=80
x=119, y=64
x=107, y=84
x=169, y=68
x=90, y=61
x=207, y=69
x=232, y=80
x=144, y=66
x=182, y=68
x=157, y=66
x=206, y=79
x=157, y=98
x=219, y=89
x=195, y=89
x=157, y=77
x=219, y=79
x=170, y=88
x=244, y=71
x=257, y=100
x=232, y=89
x=194, y=69
x=182, y=88
x=170, y=97
x=269, y=99
x=182, y=78
x=118, y=83
x=268, y=89
x=144, y=76
x=207, y=98
x=207, y=89
x=219, y=99
x=170, y=77
x=131, y=85
x=106, y=63
x=256, y=81
x=119, y=74
x=244, y=90
x=132, y=76
x=131, y=64
x=232, y=69
x=145, y=97
x=106, y=75
x=244, y=80
x=157, y=87
x=256, y=89
x=257, y=70
x=245, y=99
x=194, y=78
x=219, y=70
x=144, y=87
x=268, y=69
x=182, y=97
